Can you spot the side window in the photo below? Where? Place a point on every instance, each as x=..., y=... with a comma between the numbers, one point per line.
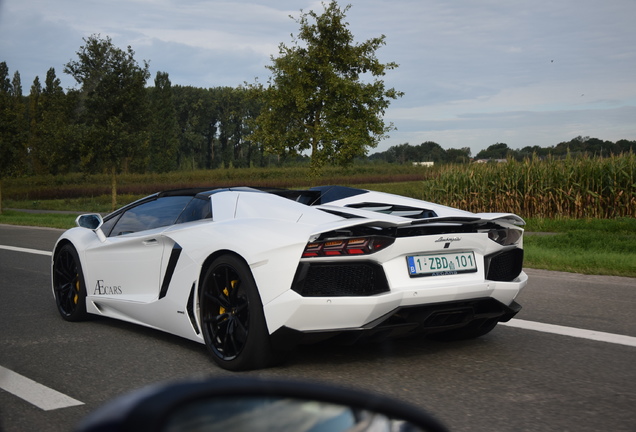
x=153, y=214
x=108, y=225
x=197, y=209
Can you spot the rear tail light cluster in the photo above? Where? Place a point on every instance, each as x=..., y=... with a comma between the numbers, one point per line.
x=347, y=246
x=505, y=236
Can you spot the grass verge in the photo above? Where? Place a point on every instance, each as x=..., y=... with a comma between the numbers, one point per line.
x=49, y=220
x=588, y=246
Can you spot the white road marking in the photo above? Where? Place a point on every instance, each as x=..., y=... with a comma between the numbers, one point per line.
x=572, y=331
x=33, y=392
x=31, y=251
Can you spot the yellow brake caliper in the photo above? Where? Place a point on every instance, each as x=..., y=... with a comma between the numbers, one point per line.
x=227, y=294
x=77, y=289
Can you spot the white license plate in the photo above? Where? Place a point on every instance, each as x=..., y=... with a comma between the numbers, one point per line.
x=442, y=264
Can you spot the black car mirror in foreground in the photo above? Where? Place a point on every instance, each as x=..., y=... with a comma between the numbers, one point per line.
x=251, y=404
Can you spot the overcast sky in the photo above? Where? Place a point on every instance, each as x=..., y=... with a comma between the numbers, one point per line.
x=474, y=72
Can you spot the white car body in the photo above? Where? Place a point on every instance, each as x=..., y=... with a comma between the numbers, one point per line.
x=153, y=276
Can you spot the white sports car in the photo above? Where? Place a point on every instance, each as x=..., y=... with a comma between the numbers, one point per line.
x=251, y=273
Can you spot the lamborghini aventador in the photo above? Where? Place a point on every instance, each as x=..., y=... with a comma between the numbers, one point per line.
x=251, y=273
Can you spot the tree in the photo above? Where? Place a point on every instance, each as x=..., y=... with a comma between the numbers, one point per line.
x=430, y=151
x=316, y=99
x=164, y=134
x=495, y=151
x=197, y=120
x=234, y=108
x=459, y=156
x=7, y=149
x=113, y=106
x=35, y=119
x=51, y=145
x=58, y=150
x=12, y=130
x=530, y=152
x=625, y=146
x=21, y=125
x=214, y=125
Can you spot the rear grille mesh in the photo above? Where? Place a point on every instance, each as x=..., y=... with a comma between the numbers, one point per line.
x=339, y=280
x=505, y=266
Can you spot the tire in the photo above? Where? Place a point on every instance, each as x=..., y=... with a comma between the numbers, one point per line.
x=473, y=330
x=68, y=284
x=232, y=317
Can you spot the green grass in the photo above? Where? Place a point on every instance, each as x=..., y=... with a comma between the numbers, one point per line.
x=588, y=246
x=50, y=220
x=99, y=204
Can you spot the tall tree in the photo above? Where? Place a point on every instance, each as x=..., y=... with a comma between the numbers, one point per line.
x=7, y=141
x=35, y=119
x=317, y=100
x=60, y=147
x=164, y=134
x=197, y=124
x=20, y=110
x=12, y=129
x=114, y=106
x=235, y=109
x=51, y=145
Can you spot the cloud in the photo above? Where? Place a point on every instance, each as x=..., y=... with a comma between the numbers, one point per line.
x=517, y=128
x=473, y=72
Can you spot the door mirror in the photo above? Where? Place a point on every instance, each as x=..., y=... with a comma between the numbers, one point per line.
x=256, y=405
x=91, y=221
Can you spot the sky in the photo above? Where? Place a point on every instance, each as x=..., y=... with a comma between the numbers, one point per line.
x=473, y=72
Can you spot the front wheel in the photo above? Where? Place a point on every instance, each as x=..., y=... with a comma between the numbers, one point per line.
x=68, y=284
x=232, y=317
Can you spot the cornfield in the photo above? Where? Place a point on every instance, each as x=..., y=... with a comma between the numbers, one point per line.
x=588, y=187
x=582, y=187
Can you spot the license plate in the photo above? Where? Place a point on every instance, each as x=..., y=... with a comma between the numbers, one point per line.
x=442, y=264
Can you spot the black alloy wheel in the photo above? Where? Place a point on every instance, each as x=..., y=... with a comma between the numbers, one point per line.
x=232, y=316
x=68, y=284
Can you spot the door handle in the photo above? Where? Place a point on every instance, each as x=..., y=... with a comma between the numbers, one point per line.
x=150, y=242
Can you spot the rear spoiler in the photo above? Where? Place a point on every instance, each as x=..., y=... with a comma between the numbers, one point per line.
x=478, y=218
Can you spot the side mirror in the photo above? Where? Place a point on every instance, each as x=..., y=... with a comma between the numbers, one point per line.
x=91, y=221
x=252, y=404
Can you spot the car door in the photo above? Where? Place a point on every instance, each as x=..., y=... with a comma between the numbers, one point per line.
x=128, y=264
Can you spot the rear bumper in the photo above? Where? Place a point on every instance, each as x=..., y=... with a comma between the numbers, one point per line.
x=405, y=321
x=337, y=314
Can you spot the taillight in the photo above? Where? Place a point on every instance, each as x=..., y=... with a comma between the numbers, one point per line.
x=505, y=236
x=347, y=246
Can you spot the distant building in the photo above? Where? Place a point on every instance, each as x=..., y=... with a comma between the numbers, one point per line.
x=490, y=160
x=426, y=164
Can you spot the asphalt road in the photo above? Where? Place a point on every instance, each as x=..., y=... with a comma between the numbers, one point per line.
x=513, y=379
